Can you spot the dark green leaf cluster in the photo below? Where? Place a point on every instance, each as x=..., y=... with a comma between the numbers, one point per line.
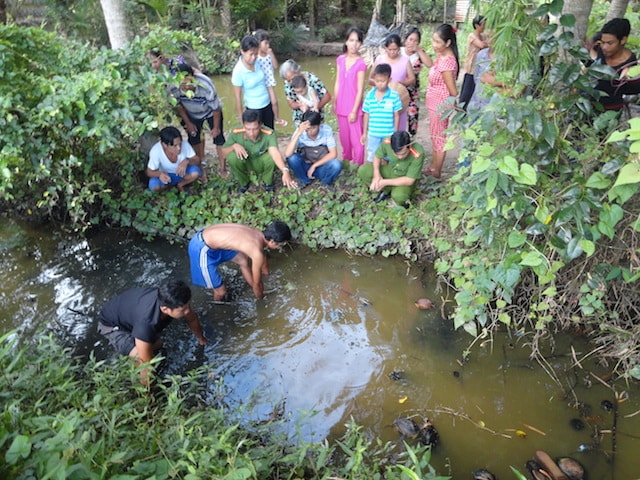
x=64, y=417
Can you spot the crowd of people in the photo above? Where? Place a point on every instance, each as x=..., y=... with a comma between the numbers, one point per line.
x=370, y=104
x=376, y=127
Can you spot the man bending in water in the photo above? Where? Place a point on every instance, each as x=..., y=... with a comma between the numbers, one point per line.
x=239, y=244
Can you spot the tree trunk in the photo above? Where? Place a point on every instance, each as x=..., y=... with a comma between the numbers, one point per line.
x=225, y=17
x=3, y=12
x=617, y=9
x=581, y=9
x=311, y=5
x=116, y=20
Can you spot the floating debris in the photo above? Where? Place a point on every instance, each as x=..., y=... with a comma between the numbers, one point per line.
x=606, y=405
x=576, y=424
x=424, y=303
x=483, y=474
x=397, y=375
x=571, y=468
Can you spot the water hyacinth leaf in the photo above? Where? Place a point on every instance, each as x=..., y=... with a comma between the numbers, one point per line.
x=630, y=173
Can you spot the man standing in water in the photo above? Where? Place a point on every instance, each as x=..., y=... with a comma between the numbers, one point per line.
x=239, y=244
x=133, y=320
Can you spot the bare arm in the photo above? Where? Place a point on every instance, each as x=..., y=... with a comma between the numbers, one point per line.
x=287, y=181
x=410, y=79
x=194, y=325
x=324, y=100
x=293, y=143
x=358, y=100
x=450, y=82
x=237, y=93
x=143, y=354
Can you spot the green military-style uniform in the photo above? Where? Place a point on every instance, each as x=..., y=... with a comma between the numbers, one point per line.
x=259, y=159
x=393, y=167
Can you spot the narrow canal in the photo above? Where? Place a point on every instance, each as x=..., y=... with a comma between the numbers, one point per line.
x=337, y=337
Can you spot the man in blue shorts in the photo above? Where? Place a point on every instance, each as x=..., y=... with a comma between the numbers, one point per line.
x=133, y=320
x=239, y=244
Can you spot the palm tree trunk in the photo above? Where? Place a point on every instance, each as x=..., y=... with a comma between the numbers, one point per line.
x=116, y=20
x=581, y=9
x=617, y=9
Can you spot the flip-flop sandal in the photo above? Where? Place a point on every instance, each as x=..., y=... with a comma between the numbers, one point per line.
x=282, y=123
x=536, y=471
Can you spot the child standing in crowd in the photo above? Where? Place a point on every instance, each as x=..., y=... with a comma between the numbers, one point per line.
x=401, y=70
x=381, y=110
x=268, y=62
x=442, y=85
x=249, y=84
x=349, y=90
x=307, y=97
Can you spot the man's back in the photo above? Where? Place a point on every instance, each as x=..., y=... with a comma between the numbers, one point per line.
x=233, y=236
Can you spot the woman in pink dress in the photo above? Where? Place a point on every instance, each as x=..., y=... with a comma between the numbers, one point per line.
x=401, y=69
x=349, y=90
x=442, y=85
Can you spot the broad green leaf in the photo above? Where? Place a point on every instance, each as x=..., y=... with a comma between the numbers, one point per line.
x=534, y=125
x=527, y=175
x=516, y=239
x=20, y=448
x=532, y=259
x=588, y=246
x=635, y=372
x=509, y=165
x=480, y=164
x=542, y=214
x=550, y=132
x=492, y=181
x=471, y=328
x=574, y=250
x=630, y=173
x=598, y=180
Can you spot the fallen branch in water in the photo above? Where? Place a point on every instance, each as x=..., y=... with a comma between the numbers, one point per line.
x=480, y=424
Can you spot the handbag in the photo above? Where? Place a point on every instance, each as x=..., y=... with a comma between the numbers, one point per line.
x=313, y=154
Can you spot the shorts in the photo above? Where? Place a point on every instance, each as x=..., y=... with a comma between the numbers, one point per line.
x=175, y=179
x=204, y=262
x=121, y=340
x=372, y=145
x=196, y=139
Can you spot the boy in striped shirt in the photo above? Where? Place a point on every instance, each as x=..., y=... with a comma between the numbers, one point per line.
x=381, y=109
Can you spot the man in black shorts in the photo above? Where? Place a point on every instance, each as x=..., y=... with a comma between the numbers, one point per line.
x=133, y=320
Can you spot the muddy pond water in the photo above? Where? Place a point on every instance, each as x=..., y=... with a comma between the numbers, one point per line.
x=337, y=337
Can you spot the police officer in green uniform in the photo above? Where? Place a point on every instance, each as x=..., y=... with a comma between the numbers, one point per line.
x=255, y=148
x=396, y=167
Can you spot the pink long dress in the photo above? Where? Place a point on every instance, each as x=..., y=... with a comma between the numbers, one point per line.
x=398, y=74
x=437, y=93
x=350, y=133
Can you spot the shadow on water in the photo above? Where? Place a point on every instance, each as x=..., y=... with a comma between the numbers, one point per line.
x=337, y=337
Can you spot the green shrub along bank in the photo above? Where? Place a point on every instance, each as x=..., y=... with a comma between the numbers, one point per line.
x=539, y=233
x=69, y=418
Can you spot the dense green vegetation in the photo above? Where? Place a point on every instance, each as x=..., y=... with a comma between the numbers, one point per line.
x=65, y=418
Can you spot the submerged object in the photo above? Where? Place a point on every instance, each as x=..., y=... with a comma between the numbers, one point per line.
x=483, y=474
x=571, y=468
x=606, y=405
x=425, y=433
x=576, y=424
x=424, y=304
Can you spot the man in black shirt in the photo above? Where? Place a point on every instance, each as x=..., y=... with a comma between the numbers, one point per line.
x=133, y=320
